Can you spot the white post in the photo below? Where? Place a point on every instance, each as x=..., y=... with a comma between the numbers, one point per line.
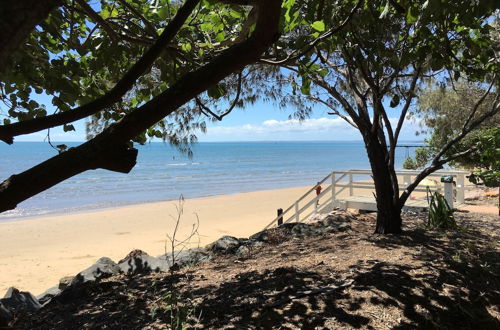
x=297, y=211
x=333, y=190
x=448, y=193
x=406, y=180
x=460, y=188
x=351, y=189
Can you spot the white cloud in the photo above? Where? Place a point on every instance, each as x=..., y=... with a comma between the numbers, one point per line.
x=309, y=129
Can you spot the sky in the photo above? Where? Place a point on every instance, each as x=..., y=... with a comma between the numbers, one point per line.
x=258, y=122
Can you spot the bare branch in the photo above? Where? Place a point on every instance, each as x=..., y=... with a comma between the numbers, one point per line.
x=334, y=112
x=476, y=106
x=204, y=108
x=404, y=111
x=429, y=170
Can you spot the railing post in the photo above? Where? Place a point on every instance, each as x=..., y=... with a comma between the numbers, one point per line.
x=460, y=188
x=406, y=180
x=297, y=211
x=351, y=189
x=280, y=216
x=448, y=193
x=333, y=190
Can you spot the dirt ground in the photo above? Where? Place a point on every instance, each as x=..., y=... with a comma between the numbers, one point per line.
x=354, y=279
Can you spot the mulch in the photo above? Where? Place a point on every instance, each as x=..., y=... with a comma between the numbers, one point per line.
x=351, y=280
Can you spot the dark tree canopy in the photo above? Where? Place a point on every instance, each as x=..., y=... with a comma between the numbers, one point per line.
x=83, y=59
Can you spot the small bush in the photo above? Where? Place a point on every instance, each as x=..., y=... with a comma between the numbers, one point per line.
x=440, y=213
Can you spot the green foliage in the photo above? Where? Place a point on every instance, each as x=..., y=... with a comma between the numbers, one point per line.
x=73, y=58
x=175, y=310
x=440, y=214
x=410, y=164
x=488, y=144
x=444, y=108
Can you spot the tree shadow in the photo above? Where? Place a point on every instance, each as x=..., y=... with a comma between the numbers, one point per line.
x=274, y=299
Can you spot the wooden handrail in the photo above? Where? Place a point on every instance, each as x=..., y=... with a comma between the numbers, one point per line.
x=351, y=184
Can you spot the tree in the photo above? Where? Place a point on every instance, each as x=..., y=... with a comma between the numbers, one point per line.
x=488, y=160
x=377, y=60
x=83, y=64
x=443, y=110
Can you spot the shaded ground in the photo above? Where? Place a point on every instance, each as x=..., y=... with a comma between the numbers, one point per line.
x=421, y=279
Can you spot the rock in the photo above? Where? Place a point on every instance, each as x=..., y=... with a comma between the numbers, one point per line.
x=16, y=301
x=343, y=227
x=132, y=254
x=5, y=315
x=225, y=244
x=186, y=257
x=254, y=244
x=243, y=250
x=303, y=230
x=65, y=282
x=261, y=236
x=143, y=264
x=103, y=268
x=45, y=297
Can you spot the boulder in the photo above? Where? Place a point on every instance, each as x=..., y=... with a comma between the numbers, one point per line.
x=103, y=268
x=132, y=254
x=187, y=257
x=143, y=264
x=16, y=301
x=5, y=315
x=261, y=236
x=224, y=245
x=48, y=295
x=65, y=282
x=243, y=250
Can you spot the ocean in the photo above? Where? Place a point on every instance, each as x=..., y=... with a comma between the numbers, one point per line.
x=163, y=173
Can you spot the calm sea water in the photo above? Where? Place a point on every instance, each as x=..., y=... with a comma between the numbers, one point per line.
x=162, y=173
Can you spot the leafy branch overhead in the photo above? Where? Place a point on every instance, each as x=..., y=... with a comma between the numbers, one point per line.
x=182, y=76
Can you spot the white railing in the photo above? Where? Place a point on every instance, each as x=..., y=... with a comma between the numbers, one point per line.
x=338, y=181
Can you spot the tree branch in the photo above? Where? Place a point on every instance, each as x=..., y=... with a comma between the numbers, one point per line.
x=429, y=170
x=8, y=132
x=295, y=55
x=437, y=163
x=465, y=130
x=203, y=107
x=94, y=153
x=334, y=112
x=149, y=26
x=98, y=19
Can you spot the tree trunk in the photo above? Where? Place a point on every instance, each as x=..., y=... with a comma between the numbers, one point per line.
x=388, y=210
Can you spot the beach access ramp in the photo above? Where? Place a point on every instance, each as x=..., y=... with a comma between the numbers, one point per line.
x=354, y=189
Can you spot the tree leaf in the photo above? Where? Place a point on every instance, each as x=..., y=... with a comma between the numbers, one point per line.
x=318, y=26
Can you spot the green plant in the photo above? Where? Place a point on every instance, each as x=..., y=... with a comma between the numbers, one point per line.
x=178, y=310
x=440, y=213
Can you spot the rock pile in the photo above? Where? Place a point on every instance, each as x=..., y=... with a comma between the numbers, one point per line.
x=138, y=262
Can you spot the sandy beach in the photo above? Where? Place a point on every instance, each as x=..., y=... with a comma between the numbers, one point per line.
x=35, y=253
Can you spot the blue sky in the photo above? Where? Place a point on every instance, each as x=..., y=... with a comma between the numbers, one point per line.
x=258, y=122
